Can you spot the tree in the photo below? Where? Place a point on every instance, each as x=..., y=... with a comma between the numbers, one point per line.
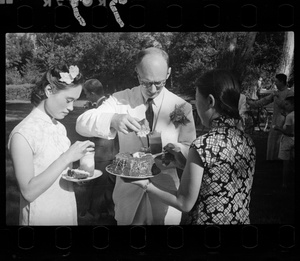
x=287, y=58
x=54, y=48
x=110, y=57
x=237, y=55
x=19, y=52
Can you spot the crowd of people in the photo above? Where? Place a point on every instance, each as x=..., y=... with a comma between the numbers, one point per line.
x=209, y=180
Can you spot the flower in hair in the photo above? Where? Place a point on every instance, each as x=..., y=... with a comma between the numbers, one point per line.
x=70, y=76
x=178, y=117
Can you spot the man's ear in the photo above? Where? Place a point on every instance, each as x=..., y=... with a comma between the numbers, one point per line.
x=169, y=72
x=211, y=101
x=48, y=90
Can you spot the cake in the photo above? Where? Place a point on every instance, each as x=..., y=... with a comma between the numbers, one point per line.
x=78, y=174
x=136, y=164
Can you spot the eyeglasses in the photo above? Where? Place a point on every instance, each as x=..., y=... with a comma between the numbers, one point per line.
x=148, y=85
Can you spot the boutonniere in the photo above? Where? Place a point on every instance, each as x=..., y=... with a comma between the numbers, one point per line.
x=69, y=76
x=178, y=117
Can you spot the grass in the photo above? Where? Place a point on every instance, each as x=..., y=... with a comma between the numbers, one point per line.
x=270, y=204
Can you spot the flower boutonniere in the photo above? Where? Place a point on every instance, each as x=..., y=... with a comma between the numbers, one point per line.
x=69, y=76
x=178, y=117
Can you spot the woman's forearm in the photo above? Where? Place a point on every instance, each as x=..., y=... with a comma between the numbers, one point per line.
x=169, y=197
x=39, y=184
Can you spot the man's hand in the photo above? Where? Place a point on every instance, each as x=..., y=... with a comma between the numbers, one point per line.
x=125, y=123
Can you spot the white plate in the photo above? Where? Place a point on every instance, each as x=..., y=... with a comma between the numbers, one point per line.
x=124, y=176
x=97, y=174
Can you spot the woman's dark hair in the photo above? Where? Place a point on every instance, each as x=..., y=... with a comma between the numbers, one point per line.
x=281, y=77
x=224, y=87
x=95, y=86
x=52, y=77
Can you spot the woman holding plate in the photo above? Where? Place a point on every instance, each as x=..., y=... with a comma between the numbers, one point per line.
x=218, y=174
x=41, y=151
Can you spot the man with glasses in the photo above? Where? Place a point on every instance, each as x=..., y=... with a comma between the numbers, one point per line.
x=121, y=113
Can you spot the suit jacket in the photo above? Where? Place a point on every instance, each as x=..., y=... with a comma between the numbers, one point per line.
x=132, y=205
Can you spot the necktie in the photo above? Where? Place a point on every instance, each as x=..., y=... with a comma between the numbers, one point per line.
x=150, y=113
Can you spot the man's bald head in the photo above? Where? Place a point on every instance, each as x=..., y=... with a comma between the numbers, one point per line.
x=152, y=51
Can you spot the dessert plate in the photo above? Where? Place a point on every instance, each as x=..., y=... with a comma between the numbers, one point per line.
x=97, y=174
x=110, y=171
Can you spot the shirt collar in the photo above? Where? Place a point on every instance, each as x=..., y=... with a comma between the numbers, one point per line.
x=157, y=100
x=100, y=100
x=42, y=115
x=223, y=121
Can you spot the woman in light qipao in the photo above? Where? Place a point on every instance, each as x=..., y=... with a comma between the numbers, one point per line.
x=41, y=151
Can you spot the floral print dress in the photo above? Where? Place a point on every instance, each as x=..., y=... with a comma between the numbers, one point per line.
x=228, y=156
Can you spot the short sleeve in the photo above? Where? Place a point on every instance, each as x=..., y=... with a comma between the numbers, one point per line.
x=197, y=144
x=289, y=119
x=28, y=134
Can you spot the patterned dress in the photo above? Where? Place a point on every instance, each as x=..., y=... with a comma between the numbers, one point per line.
x=228, y=157
x=47, y=140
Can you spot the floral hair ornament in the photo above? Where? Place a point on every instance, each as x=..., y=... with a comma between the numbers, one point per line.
x=70, y=76
x=178, y=117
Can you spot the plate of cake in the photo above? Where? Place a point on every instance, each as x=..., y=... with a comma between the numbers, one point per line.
x=138, y=165
x=79, y=175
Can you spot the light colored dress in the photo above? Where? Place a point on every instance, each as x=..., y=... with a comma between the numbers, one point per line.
x=132, y=205
x=48, y=140
x=277, y=120
x=287, y=142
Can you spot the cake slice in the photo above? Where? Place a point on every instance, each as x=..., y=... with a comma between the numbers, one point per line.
x=78, y=174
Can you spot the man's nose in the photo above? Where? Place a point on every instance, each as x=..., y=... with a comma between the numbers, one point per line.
x=153, y=88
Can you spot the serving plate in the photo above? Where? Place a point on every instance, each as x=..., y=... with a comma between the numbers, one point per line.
x=97, y=174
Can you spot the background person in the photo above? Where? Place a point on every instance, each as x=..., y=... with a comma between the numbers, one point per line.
x=94, y=93
x=287, y=141
x=97, y=194
x=218, y=175
x=277, y=119
x=120, y=114
x=242, y=107
x=41, y=151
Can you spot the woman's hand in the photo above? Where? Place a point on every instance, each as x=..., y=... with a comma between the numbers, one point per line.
x=78, y=150
x=180, y=160
x=142, y=183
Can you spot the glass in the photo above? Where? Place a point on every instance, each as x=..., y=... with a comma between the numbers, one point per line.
x=87, y=162
x=148, y=85
x=155, y=142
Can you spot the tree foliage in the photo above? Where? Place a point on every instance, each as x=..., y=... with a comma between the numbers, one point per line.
x=110, y=57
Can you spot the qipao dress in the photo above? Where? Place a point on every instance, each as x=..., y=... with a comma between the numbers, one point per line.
x=47, y=139
x=228, y=157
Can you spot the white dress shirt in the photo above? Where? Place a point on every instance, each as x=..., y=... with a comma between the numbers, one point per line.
x=132, y=204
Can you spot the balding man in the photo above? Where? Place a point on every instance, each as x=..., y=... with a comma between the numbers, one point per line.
x=121, y=114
